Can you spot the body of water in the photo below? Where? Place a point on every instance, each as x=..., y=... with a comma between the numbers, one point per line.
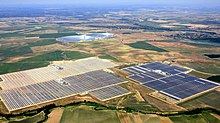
x=213, y=55
x=203, y=42
x=87, y=37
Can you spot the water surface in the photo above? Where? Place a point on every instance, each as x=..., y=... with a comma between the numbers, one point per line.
x=87, y=37
x=203, y=42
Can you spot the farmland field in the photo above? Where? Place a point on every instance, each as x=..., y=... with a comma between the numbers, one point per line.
x=204, y=117
x=74, y=55
x=41, y=60
x=188, y=119
x=55, y=115
x=86, y=115
x=144, y=45
x=52, y=35
x=204, y=67
x=15, y=51
x=210, y=99
x=200, y=75
x=34, y=119
x=131, y=102
x=109, y=57
x=42, y=43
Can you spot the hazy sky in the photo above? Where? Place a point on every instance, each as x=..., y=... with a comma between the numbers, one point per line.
x=114, y=2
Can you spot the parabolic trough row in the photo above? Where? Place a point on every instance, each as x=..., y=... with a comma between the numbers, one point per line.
x=66, y=80
x=52, y=72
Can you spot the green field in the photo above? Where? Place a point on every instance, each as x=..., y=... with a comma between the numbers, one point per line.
x=188, y=119
x=13, y=34
x=14, y=51
x=85, y=114
x=19, y=66
x=204, y=117
x=74, y=55
x=41, y=60
x=34, y=119
x=42, y=43
x=211, y=98
x=204, y=67
x=7, y=52
x=15, y=28
x=47, y=57
x=51, y=35
x=145, y=46
x=211, y=119
x=109, y=57
x=198, y=74
x=131, y=102
x=153, y=24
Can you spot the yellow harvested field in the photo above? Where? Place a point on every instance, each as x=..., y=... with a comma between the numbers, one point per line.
x=139, y=97
x=124, y=118
x=159, y=21
x=216, y=116
x=196, y=25
x=55, y=116
x=141, y=118
x=167, y=26
x=166, y=120
x=52, y=47
x=137, y=118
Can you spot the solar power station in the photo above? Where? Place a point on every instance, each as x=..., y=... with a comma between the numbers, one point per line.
x=88, y=80
x=169, y=80
x=53, y=72
x=109, y=92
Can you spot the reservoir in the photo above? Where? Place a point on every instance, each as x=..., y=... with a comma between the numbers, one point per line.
x=217, y=44
x=213, y=55
x=87, y=37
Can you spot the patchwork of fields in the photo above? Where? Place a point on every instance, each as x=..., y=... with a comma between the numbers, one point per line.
x=36, y=70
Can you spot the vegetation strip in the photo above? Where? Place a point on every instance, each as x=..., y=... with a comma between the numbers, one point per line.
x=47, y=110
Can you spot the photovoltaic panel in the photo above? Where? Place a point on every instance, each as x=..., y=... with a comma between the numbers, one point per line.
x=176, y=84
x=179, y=88
x=109, y=92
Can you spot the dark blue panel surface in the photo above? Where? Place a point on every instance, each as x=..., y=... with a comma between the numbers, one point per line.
x=177, y=85
x=154, y=83
x=146, y=79
x=154, y=75
x=180, y=69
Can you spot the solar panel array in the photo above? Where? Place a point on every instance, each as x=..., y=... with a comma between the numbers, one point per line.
x=169, y=80
x=23, y=78
x=21, y=97
x=109, y=92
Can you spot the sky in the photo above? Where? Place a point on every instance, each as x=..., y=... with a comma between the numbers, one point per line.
x=114, y=2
